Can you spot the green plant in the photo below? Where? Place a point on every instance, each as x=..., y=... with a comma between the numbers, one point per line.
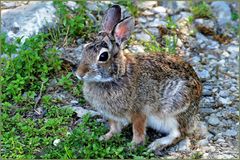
x=235, y=15
x=72, y=23
x=170, y=44
x=201, y=10
x=65, y=81
x=134, y=11
x=153, y=45
x=84, y=142
x=32, y=66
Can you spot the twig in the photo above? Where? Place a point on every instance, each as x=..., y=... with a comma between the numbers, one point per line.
x=227, y=74
x=40, y=95
x=65, y=39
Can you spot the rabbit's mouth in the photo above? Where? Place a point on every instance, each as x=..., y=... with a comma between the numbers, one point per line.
x=96, y=78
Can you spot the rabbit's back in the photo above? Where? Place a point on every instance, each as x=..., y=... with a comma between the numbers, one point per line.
x=167, y=84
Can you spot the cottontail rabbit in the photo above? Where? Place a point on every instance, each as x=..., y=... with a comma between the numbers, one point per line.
x=154, y=90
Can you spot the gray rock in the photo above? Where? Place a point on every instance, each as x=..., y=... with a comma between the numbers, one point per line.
x=8, y=5
x=72, y=5
x=136, y=49
x=159, y=9
x=234, y=51
x=74, y=102
x=154, y=31
x=181, y=16
x=176, y=6
x=196, y=59
x=157, y=22
x=204, y=75
x=231, y=132
x=142, y=19
x=213, y=120
x=146, y=4
x=143, y=36
x=205, y=26
x=184, y=145
x=203, y=142
x=26, y=21
x=222, y=12
x=147, y=13
x=223, y=93
x=81, y=111
x=206, y=92
x=225, y=101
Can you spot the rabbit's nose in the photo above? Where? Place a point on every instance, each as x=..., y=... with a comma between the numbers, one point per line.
x=81, y=70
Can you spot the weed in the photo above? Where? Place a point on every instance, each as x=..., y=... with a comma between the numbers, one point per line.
x=235, y=15
x=130, y=7
x=201, y=10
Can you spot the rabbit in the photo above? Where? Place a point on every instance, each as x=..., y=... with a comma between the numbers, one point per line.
x=146, y=90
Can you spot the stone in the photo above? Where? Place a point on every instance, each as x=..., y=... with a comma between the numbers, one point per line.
x=147, y=13
x=204, y=75
x=56, y=142
x=81, y=111
x=146, y=4
x=154, y=31
x=182, y=16
x=8, y=5
x=74, y=102
x=72, y=5
x=206, y=92
x=142, y=19
x=234, y=51
x=143, y=36
x=196, y=59
x=230, y=132
x=223, y=93
x=222, y=12
x=203, y=142
x=157, y=23
x=225, y=101
x=184, y=145
x=137, y=49
x=205, y=26
x=26, y=21
x=176, y=6
x=213, y=120
x=159, y=9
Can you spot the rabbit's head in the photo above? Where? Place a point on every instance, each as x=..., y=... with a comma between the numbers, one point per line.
x=102, y=59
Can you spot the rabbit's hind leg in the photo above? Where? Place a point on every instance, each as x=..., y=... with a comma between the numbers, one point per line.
x=168, y=125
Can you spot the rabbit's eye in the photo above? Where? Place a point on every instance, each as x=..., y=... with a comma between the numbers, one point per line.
x=103, y=57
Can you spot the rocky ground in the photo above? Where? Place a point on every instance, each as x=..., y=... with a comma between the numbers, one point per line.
x=210, y=45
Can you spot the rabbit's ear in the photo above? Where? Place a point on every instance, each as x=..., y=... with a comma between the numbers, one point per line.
x=123, y=30
x=111, y=18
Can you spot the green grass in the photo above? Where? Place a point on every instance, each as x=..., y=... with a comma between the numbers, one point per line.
x=201, y=10
x=28, y=134
x=32, y=119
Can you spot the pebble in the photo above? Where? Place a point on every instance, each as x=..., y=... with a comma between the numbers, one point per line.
x=204, y=75
x=184, y=145
x=143, y=36
x=225, y=101
x=231, y=132
x=56, y=142
x=213, y=120
x=223, y=94
x=222, y=12
x=159, y=9
x=146, y=4
x=74, y=102
x=137, y=49
x=157, y=23
x=203, y=142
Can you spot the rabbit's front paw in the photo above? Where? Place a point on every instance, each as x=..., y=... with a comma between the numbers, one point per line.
x=106, y=136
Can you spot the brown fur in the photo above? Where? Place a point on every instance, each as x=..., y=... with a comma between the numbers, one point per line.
x=135, y=88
